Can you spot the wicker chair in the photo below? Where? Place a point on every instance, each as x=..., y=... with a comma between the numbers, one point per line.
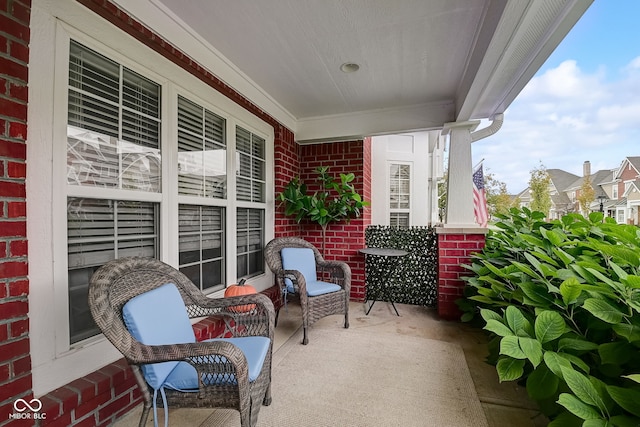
x=316, y=306
x=223, y=376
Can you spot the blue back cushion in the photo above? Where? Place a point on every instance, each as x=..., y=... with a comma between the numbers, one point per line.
x=158, y=317
x=301, y=259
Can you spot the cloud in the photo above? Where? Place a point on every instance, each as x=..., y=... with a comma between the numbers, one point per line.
x=564, y=117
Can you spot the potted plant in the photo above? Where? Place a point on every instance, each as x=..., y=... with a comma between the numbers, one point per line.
x=335, y=201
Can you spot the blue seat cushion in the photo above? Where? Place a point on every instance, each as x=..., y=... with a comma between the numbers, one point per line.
x=185, y=377
x=320, y=288
x=158, y=317
x=303, y=260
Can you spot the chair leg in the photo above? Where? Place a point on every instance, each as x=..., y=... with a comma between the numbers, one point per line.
x=305, y=340
x=277, y=315
x=267, y=397
x=346, y=321
x=145, y=415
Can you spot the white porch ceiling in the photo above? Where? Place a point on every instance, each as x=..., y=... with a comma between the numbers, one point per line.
x=423, y=63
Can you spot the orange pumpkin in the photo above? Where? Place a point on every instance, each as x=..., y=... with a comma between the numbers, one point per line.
x=237, y=290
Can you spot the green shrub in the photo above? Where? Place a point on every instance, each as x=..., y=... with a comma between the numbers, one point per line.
x=562, y=301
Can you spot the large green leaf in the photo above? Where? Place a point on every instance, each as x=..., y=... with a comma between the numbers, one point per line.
x=633, y=377
x=566, y=259
x=544, y=257
x=577, y=407
x=627, y=398
x=566, y=419
x=570, y=290
x=579, y=344
x=509, y=369
x=620, y=252
x=625, y=421
x=576, y=361
x=582, y=388
x=549, y=325
x=596, y=423
x=498, y=328
x=542, y=383
x=603, y=310
x=526, y=270
x=616, y=353
x=510, y=346
x=516, y=321
x=632, y=281
x=555, y=362
x=489, y=314
x=630, y=332
x=532, y=349
x=538, y=294
x=555, y=236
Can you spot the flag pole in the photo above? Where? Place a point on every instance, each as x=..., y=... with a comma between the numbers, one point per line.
x=475, y=168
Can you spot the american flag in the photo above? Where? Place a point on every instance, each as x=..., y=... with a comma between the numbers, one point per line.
x=479, y=198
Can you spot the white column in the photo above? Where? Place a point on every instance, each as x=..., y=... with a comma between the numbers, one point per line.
x=460, y=185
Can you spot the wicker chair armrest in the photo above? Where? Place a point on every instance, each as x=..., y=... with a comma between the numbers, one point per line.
x=299, y=282
x=339, y=269
x=209, y=358
x=144, y=353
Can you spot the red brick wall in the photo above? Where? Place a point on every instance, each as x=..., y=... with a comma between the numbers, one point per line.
x=454, y=250
x=286, y=167
x=15, y=359
x=343, y=239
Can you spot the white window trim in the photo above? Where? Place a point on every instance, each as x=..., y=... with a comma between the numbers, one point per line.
x=54, y=361
x=411, y=194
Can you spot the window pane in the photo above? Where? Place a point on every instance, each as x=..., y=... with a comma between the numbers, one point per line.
x=399, y=219
x=202, y=153
x=399, y=186
x=201, y=244
x=250, y=242
x=99, y=231
x=251, y=169
x=110, y=144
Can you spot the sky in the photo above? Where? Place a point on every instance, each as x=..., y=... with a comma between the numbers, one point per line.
x=583, y=104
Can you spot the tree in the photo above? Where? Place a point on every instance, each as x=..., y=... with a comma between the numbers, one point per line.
x=442, y=196
x=587, y=195
x=540, y=193
x=335, y=201
x=498, y=199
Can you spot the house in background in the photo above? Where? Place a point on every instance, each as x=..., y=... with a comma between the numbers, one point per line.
x=404, y=188
x=166, y=128
x=562, y=201
x=616, y=191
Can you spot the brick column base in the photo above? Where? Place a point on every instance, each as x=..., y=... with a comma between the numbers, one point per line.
x=455, y=247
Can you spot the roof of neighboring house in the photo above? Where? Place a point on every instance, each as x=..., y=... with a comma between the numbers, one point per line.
x=597, y=179
x=561, y=180
x=633, y=161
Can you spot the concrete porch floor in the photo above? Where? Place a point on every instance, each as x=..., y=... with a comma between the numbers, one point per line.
x=504, y=404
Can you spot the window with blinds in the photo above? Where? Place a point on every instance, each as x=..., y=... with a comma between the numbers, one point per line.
x=399, y=219
x=113, y=127
x=113, y=144
x=250, y=242
x=202, y=151
x=399, y=195
x=98, y=231
x=251, y=175
x=201, y=245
